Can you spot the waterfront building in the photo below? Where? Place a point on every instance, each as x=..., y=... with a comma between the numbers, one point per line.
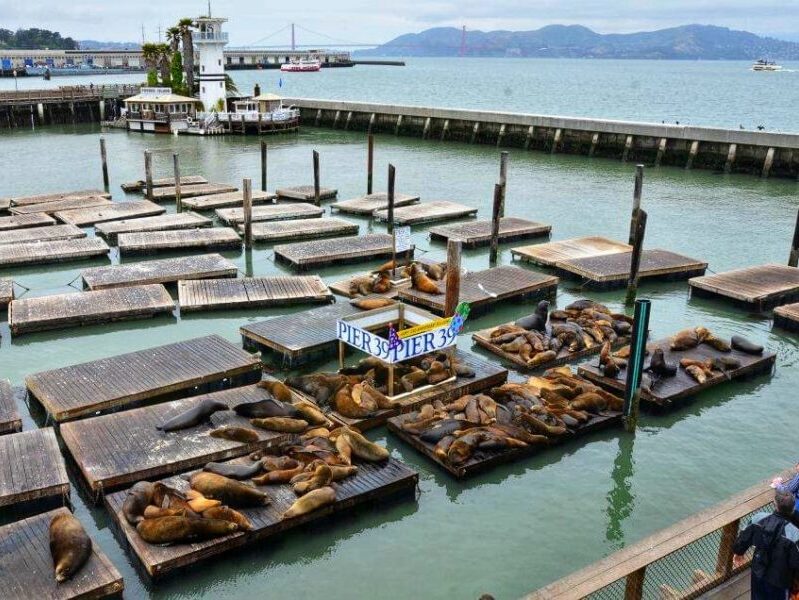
x=210, y=41
x=158, y=110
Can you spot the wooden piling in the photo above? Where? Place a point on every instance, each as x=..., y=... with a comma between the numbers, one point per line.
x=176, y=167
x=639, y=184
x=391, y=178
x=628, y=144
x=635, y=259
x=495, y=216
x=661, y=151
x=503, y=181
x=453, y=277
x=594, y=144
x=793, y=259
x=730, y=157
x=148, y=174
x=316, y=190
x=247, y=188
x=104, y=159
x=692, y=154
x=767, y=163
x=529, y=139
x=263, y=166
x=370, y=162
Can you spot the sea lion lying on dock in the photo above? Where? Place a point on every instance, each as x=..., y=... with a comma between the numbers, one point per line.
x=234, y=471
x=310, y=502
x=228, y=491
x=269, y=407
x=136, y=501
x=236, y=434
x=172, y=530
x=278, y=389
x=193, y=416
x=281, y=424
x=225, y=513
x=420, y=281
x=372, y=303
x=741, y=344
x=70, y=546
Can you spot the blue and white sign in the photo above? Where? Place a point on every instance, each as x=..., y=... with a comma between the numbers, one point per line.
x=418, y=345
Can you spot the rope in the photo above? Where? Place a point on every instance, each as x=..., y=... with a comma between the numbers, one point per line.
x=73, y=281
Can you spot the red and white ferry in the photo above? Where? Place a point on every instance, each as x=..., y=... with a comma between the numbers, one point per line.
x=304, y=65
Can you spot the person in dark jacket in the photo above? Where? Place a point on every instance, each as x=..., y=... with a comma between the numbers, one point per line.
x=776, y=556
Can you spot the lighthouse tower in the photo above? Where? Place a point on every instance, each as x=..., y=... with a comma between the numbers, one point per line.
x=210, y=42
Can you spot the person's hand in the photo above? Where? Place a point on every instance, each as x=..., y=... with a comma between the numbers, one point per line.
x=737, y=561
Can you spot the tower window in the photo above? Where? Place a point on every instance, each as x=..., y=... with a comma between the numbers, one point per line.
x=220, y=62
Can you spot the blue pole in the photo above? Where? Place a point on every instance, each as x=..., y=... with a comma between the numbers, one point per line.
x=635, y=366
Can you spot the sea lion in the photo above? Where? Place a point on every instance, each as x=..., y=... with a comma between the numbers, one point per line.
x=363, y=448
x=741, y=344
x=717, y=343
x=726, y=363
x=361, y=285
x=311, y=413
x=136, y=501
x=278, y=463
x=464, y=446
x=420, y=281
x=168, y=497
x=610, y=367
x=322, y=477
x=414, y=379
x=542, y=358
x=697, y=372
x=279, y=475
x=436, y=271
x=437, y=373
x=156, y=512
x=234, y=471
x=193, y=416
x=372, y=303
x=199, y=503
x=269, y=407
x=345, y=404
x=537, y=320
x=281, y=424
x=344, y=449
x=441, y=430
x=382, y=284
x=278, y=389
x=225, y=513
x=70, y=546
x=321, y=386
x=228, y=491
x=387, y=266
x=658, y=365
x=310, y=502
x=236, y=434
x=171, y=530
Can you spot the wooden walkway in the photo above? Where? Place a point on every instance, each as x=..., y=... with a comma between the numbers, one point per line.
x=61, y=311
x=166, y=222
x=334, y=251
x=22, y=221
x=40, y=253
x=251, y=292
x=758, y=288
x=275, y=212
x=373, y=481
x=10, y=419
x=613, y=270
x=27, y=565
x=110, y=212
x=149, y=242
x=32, y=468
x=367, y=205
x=55, y=197
x=427, y=212
x=553, y=253
x=118, y=381
x=167, y=192
x=167, y=270
x=141, y=184
x=305, y=193
x=483, y=289
x=786, y=316
x=301, y=229
x=478, y=233
x=50, y=208
x=41, y=234
x=214, y=201
x=122, y=448
x=6, y=291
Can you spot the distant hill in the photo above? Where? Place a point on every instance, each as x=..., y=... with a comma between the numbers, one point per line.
x=688, y=42
x=35, y=39
x=96, y=45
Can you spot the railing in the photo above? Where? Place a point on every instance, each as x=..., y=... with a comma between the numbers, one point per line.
x=255, y=117
x=681, y=562
x=209, y=36
x=69, y=93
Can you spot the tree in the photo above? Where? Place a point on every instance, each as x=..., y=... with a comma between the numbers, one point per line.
x=230, y=85
x=185, y=26
x=173, y=36
x=177, y=74
x=150, y=54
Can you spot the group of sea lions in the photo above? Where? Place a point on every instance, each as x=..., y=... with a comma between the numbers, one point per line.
x=513, y=415
x=539, y=337
x=423, y=277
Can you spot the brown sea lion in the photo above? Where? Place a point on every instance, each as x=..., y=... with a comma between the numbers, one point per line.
x=610, y=367
x=363, y=448
x=156, y=512
x=464, y=446
x=344, y=449
x=278, y=389
x=235, y=434
x=279, y=475
x=320, y=386
x=420, y=281
x=361, y=285
x=234, y=470
x=171, y=530
x=436, y=271
x=136, y=501
x=70, y=546
x=437, y=373
x=168, y=497
x=278, y=463
x=281, y=424
x=322, y=477
x=542, y=358
x=228, y=491
x=194, y=416
x=225, y=513
x=269, y=407
x=697, y=372
x=345, y=404
x=311, y=413
x=685, y=340
x=199, y=503
x=372, y=303
x=382, y=284
x=310, y=502
x=388, y=266
x=414, y=379
x=717, y=343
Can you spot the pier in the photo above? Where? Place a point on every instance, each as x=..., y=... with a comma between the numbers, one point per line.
x=6, y=291
x=33, y=469
x=41, y=234
x=10, y=419
x=303, y=255
x=54, y=197
x=301, y=229
x=756, y=288
x=428, y=212
x=40, y=253
x=50, y=208
x=150, y=242
x=367, y=205
x=167, y=270
x=109, y=212
x=251, y=292
x=226, y=199
x=276, y=212
x=22, y=221
x=478, y=233
x=166, y=222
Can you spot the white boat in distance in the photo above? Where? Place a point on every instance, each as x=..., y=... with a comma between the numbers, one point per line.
x=304, y=65
x=765, y=65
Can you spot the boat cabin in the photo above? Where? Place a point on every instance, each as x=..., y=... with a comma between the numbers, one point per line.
x=159, y=110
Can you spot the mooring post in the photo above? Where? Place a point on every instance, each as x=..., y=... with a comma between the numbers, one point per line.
x=453, y=280
x=104, y=159
x=148, y=173
x=639, y=185
x=176, y=165
x=793, y=259
x=263, y=165
x=635, y=365
x=316, y=191
x=635, y=257
x=390, y=216
x=370, y=162
x=503, y=180
x=247, y=189
x=492, y=257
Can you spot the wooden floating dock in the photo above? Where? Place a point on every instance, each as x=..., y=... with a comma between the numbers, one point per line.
x=116, y=450
x=337, y=250
x=55, y=197
x=427, y=212
x=23, y=221
x=166, y=222
x=553, y=253
x=110, y=212
x=10, y=419
x=373, y=481
x=478, y=233
x=483, y=289
x=41, y=234
x=167, y=270
x=342, y=288
x=141, y=184
x=272, y=212
x=147, y=375
x=6, y=291
x=251, y=292
x=33, y=468
x=786, y=316
x=50, y=208
x=305, y=193
x=301, y=229
x=670, y=391
x=759, y=288
x=295, y=338
x=27, y=565
x=40, y=253
x=367, y=205
x=61, y=311
x=214, y=201
x=167, y=192
x=148, y=242
x=613, y=270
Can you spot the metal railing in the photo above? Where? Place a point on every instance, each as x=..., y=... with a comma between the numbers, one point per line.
x=209, y=36
x=254, y=117
x=69, y=93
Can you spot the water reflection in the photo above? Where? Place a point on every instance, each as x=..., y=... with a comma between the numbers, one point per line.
x=620, y=497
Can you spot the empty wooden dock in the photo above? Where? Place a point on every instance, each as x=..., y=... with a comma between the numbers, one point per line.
x=613, y=270
x=478, y=233
x=305, y=193
x=23, y=221
x=787, y=316
x=214, y=201
x=303, y=255
x=367, y=205
x=166, y=222
x=141, y=184
x=553, y=253
x=55, y=197
x=428, y=212
x=33, y=468
x=301, y=229
x=27, y=565
x=61, y=311
x=251, y=292
x=122, y=448
x=483, y=289
x=146, y=375
x=150, y=242
x=167, y=270
x=10, y=419
x=270, y=212
x=50, y=208
x=759, y=288
x=167, y=192
x=6, y=291
x=110, y=212
x=40, y=253
x=41, y=234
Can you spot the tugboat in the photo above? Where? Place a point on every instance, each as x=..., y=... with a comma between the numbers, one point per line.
x=304, y=65
x=765, y=65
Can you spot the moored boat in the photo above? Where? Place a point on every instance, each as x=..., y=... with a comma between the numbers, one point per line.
x=304, y=65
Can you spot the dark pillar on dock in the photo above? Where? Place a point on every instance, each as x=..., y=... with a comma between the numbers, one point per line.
x=176, y=166
x=247, y=204
x=148, y=174
x=453, y=280
x=639, y=186
x=635, y=257
x=104, y=159
x=635, y=365
x=495, y=216
x=503, y=180
x=263, y=165
x=793, y=259
x=316, y=192
x=370, y=162
x=391, y=179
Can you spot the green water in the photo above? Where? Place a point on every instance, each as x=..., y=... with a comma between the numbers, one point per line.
x=519, y=526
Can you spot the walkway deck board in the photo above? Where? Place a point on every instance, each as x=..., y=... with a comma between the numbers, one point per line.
x=301, y=229
x=275, y=212
x=50, y=208
x=110, y=212
x=367, y=205
x=167, y=192
x=10, y=419
x=305, y=193
x=55, y=197
x=167, y=270
x=141, y=184
x=146, y=242
x=166, y=222
x=21, y=221
x=428, y=212
x=760, y=287
x=41, y=234
x=337, y=250
x=251, y=292
x=478, y=233
x=40, y=253
x=33, y=468
x=214, y=201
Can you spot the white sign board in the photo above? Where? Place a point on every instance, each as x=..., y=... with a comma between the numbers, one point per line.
x=402, y=239
x=417, y=345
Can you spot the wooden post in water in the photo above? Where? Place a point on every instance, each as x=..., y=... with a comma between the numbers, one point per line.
x=316, y=192
x=148, y=174
x=247, y=192
x=635, y=258
x=370, y=162
x=390, y=216
x=639, y=185
x=793, y=259
x=495, y=215
x=176, y=165
x=104, y=159
x=635, y=364
x=503, y=180
x=453, y=280
x=263, y=165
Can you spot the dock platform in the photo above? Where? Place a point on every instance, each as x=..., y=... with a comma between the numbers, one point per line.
x=305, y=193
x=786, y=316
x=116, y=450
x=167, y=192
x=301, y=229
x=167, y=270
x=757, y=288
x=150, y=242
x=270, y=212
x=483, y=289
x=165, y=222
x=40, y=253
x=23, y=221
x=613, y=270
x=141, y=184
x=28, y=565
x=427, y=212
x=367, y=205
x=55, y=197
x=373, y=481
x=303, y=255
x=143, y=376
x=251, y=292
x=6, y=292
x=226, y=199
x=552, y=254
x=10, y=419
x=41, y=234
x=50, y=208
x=62, y=311
x=110, y=212
x=478, y=233
x=33, y=468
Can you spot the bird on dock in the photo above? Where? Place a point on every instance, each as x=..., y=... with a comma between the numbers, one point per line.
x=760, y=127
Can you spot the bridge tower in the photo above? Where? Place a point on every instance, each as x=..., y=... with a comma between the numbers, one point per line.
x=210, y=42
x=462, y=51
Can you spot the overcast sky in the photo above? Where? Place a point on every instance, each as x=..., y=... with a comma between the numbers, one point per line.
x=379, y=20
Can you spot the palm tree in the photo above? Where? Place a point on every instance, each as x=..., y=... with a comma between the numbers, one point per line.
x=185, y=25
x=150, y=54
x=173, y=36
x=164, y=56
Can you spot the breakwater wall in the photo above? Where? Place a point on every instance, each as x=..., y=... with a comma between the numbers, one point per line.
x=759, y=153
